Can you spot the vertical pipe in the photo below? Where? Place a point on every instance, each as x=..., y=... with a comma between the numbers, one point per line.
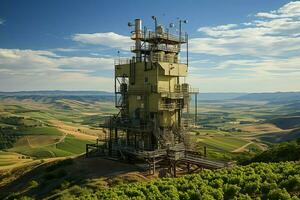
x=196, y=108
x=135, y=140
x=116, y=135
x=110, y=137
x=180, y=34
x=187, y=49
x=127, y=138
x=153, y=165
x=138, y=35
x=116, y=98
x=174, y=168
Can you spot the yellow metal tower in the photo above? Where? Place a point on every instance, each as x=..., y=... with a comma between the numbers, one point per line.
x=150, y=92
x=153, y=100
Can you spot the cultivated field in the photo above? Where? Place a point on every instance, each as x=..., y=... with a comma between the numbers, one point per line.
x=47, y=128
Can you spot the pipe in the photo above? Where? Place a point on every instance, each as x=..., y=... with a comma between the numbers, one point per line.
x=138, y=35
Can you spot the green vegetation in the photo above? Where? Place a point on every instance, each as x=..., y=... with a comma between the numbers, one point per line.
x=287, y=122
x=67, y=146
x=72, y=145
x=287, y=151
x=41, y=127
x=40, y=131
x=42, y=152
x=255, y=181
x=226, y=144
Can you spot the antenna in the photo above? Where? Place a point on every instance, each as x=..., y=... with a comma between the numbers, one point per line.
x=130, y=24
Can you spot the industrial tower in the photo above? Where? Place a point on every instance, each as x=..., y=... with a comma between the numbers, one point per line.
x=149, y=91
x=153, y=101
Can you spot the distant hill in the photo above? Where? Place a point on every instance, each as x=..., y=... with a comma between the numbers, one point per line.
x=219, y=96
x=292, y=97
x=286, y=122
x=52, y=96
x=272, y=97
x=281, y=137
x=56, y=93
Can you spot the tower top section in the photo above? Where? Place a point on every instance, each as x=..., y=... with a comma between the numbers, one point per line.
x=160, y=41
x=160, y=35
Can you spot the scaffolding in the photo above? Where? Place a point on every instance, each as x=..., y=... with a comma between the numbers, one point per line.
x=153, y=101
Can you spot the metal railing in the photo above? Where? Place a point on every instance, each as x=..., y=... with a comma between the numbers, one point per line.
x=122, y=61
x=194, y=90
x=178, y=88
x=169, y=106
x=185, y=122
x=155, y=35
x=165, y=58
x=159, y=47
x=153, y=58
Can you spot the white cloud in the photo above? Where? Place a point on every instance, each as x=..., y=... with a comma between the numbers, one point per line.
x=2, y=21
x=35, y=60
x=109, y=39
x=241, y=84
x=34, y=69
x=65, y=49
x=291, y=9
x=217, y=28
x=270, y=36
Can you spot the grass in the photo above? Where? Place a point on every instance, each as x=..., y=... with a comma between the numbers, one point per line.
x=227, y=144
x=42, y=152
x=41, y=131
x=11, y=158
x=220, y=120
x=67, y=147
x=47, y=141
x=72, y=144
x=37, y=140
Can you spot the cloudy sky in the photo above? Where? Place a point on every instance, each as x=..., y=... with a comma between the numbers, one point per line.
x=235, y=46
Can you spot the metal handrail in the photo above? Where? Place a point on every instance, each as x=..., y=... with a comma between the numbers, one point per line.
x=164, y=58
x=168, y=106
x=178, y=89
x=157, y=47
x=194, y=90
x=122, y=61
x=153, y=58
x=156, y=35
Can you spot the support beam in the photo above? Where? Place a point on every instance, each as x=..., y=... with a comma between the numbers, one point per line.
x=116, y=135
x=196, y=108
x=174, y=169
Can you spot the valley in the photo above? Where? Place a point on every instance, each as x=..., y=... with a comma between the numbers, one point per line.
x=38, y=132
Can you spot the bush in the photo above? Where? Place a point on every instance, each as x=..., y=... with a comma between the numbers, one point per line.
x=255, y=181
x=33, y=184
x=279, y=194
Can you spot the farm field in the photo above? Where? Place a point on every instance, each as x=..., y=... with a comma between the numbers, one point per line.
x=42, y=140
x=47, y=127
x=11, y=158
x=228, y=128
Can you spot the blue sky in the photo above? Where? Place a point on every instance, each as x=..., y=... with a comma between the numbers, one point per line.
x=235, y=46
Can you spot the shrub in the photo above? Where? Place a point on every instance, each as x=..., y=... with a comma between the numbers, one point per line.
x=33, y=184
x=279, y=194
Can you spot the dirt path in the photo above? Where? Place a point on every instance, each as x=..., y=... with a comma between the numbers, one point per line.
x=242, y=148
